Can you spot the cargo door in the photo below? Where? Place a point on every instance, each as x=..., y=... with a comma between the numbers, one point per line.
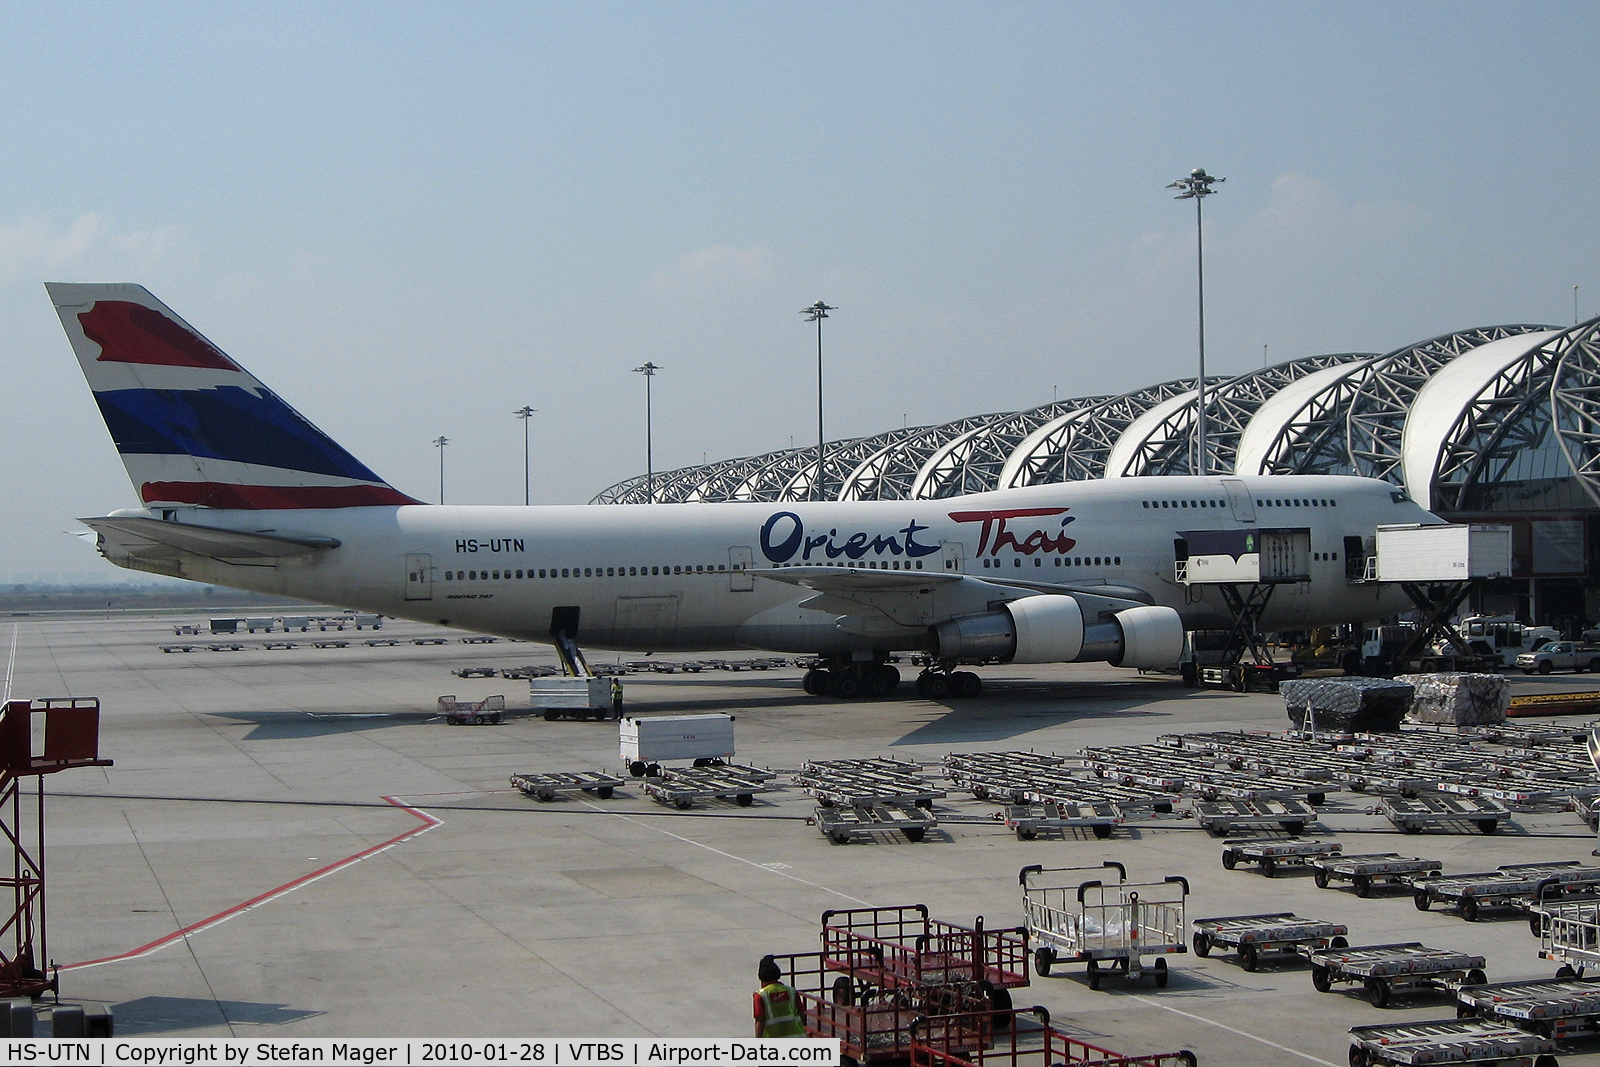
x=646, y=622
x=1243, y=504
x=740, y=560
x=419, y=576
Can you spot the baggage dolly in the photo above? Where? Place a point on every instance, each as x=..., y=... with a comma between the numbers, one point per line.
x=1512, y=885
x=1270, y=855
x=1385, y=970
x=1450, y=1041
x=1411, y=815
x=842, y=824
x=1120, y=924
x=1365, y=871
x=547, y=785
x=1569, y=935
x=1003, y=1039
x=1222, y=817
x=1557, y=1008
x=877, y=950
x=681, y=787
x=1028, y=820
x=1253, y=936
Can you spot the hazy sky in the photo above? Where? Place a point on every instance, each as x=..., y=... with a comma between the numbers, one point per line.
x=409, y=220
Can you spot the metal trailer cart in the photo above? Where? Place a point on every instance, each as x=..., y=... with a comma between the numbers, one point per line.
x=874, y=1027
x=1120, y=924
x=1254, y=936
x=1271, y=855
x=896, y=948
x=1004, y=1039
x=841, y=825
x=1435, y=812
x=1552, y=1007
x=681, y=787
x=472, y=713
x=547, y=785
x=1385, y=970
x=1027, y=820
x=1514, y=885
x=1220, y=818
x=1370, y=869
x=1569, y=935
x=1450, y=1041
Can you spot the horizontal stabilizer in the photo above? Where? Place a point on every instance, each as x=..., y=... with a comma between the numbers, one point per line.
x=151, y=539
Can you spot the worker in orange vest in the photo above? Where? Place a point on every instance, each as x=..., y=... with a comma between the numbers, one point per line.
x=777, y=1007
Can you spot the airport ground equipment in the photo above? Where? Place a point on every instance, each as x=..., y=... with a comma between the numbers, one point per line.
x=1569, y=934
x=1254, y=936
x=902, y=948
x=648, y=741
x=489, y=710
x=1346, y=705
x=1384, y=971
x=37, y=737
x=1557, y=1008
x=1132, y=926
x=1019, y=1037
x=547, y=785
x=843, y=824
x=865, y=782
x=1512, y=885
x=473, y=672
x=1447, y=1042
x=871, y=1024
x=1246, y=566
x=1270, y=856
x=1370, y=869
x=1554, y=704
x=569, y=697
x=1431, y=811
x=682, y=786
x=1029, y=820
x=1018, y=777
x=1220, y=818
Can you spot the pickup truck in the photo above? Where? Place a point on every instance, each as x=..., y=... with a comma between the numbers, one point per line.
x=1560, y=656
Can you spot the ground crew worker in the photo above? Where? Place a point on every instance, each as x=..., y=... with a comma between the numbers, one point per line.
x=777, y=1007
x=616, y=698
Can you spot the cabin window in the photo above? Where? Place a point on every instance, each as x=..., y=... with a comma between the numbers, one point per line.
x=1117, y=562
x=1146, y=503
x=919, y=564
x=449, y=576
x=1016, y=562
x=565, y=573
x=677, y=570
x=1038, y=563
x=1334, y=556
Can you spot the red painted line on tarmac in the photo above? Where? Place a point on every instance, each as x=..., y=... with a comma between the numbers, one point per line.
x=427, y=822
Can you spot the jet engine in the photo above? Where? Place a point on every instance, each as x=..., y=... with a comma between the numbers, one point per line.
x=1050, y=628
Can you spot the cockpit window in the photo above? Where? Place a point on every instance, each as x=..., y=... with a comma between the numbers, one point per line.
x=1398, y=496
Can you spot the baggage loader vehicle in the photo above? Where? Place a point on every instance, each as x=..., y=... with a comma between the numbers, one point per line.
x=1254, y=936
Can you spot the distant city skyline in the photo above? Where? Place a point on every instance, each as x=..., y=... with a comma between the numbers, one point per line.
x=400, y=217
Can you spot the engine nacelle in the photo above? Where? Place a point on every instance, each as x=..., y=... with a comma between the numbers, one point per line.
x=1049, y=628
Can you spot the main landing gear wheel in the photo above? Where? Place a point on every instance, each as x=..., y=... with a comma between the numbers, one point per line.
x=932, y=685
x=815, y=683
x=844, y=686
x=965, y=684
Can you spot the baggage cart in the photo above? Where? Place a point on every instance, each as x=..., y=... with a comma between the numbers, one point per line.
x=862, y=786
x=1018, y=1038
x=1512, y=885
x=1269, y=856
x=872, y=1027
x=1254, y=936
x=547, y=785
x=900, y=947
x=1569, y=935
x=1131, y=926
x=1386, y=970
x=1221, y=817
x=489, y=710
x=570, y=697
x=682, y=787
x=1370, y=869
x=1027, y=820
x=646, y=742
x=1431, y=811
x=1450, y=1041
x=841, y=825
x=1553, y=1007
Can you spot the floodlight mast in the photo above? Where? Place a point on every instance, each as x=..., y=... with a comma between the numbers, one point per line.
x=649, y=371
x=525, y=413
x=439, y=443
x=816, y=313
x=1196, y=187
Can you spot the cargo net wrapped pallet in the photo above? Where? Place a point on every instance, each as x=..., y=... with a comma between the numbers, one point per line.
x=1458, y=699
x=1346, y=705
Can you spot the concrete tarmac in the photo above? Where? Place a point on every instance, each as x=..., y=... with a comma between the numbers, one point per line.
x=231, y=877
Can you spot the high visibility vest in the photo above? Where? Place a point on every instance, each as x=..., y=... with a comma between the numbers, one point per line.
x=780, y=1011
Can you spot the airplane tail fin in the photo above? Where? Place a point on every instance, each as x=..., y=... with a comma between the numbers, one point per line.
x=193, y=427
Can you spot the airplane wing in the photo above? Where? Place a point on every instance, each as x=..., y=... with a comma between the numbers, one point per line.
x=154, y=541
x=846, y=580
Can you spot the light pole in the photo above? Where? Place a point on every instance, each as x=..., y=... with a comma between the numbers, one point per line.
x=439, y=443
x=525, y=413
x=1196, y=187
x=816, y=313
x=649, y=371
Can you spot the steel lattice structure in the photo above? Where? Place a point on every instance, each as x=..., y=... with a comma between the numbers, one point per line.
x=1575, y=404
x=888, y=473
x=1075, y=446
x=973, y=461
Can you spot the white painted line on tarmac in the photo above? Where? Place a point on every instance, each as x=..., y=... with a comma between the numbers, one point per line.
x=1234, y=1030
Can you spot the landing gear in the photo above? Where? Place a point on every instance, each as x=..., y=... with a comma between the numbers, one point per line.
x=850, y=681
x=937, y=685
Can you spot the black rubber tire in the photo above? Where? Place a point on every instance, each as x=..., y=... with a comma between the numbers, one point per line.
x=1043, y=959
x=1546, y=1060
x=808, y=682
x=1202, y=945
x=1316, y=800
x=1249, y=957
x=1218, y=829
x=1269, y=867
x=966, y=684
x=1565, y=971
x=914, y=833
x=844, y=991
x=1421, y=899
x=1093, y=975
x=1469, y=909
x=844, y=687
x=545, y=795
x=1187, y=1058
x=1319, y=877
x=682, y=803
x=1026, y=833
x=1488, y=826
x=1359, y=1057
x=636, y=769
x=1229, y=860
x=1319, y=979
x=1163, y=974
x=551, y=715
x=1476, y=977
x=1546, y=667
x=1536, y=924
x=1362, y=884
x=652, y=770
x=1103, y=830
x=1000, y=1006
x=840, y=837
x=1463, y=1010
x=1338, y=941
x=1295, y=827
x=1378, y=992
x=938, y=686
x=874, y=686
x=744, y=800
x=604, y=792
x=891, y=677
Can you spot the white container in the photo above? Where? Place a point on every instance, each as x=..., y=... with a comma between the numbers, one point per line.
x=676, y=737
x=1450, y=553
x=567, y=693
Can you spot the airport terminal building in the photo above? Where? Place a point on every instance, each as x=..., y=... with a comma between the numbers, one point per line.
x=1494, y=424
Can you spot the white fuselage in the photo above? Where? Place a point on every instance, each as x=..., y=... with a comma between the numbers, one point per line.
x=678, y=576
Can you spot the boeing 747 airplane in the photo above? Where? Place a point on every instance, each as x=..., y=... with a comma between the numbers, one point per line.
x=240, y=490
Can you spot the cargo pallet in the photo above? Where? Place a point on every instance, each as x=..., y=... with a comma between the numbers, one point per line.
x=1091, y=922
x=841, y=825
x=1412, y=815
x=1365, y=871
x=1001, y=1039
x=547, y=785
x=1557, y=1008
x=1220, y=818
x=1028, y=820
x=1271, y=855
x=1254, y=936
x=1450, y=1041
x=1511, y=885
x=681, y=787
x=1386, y=970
